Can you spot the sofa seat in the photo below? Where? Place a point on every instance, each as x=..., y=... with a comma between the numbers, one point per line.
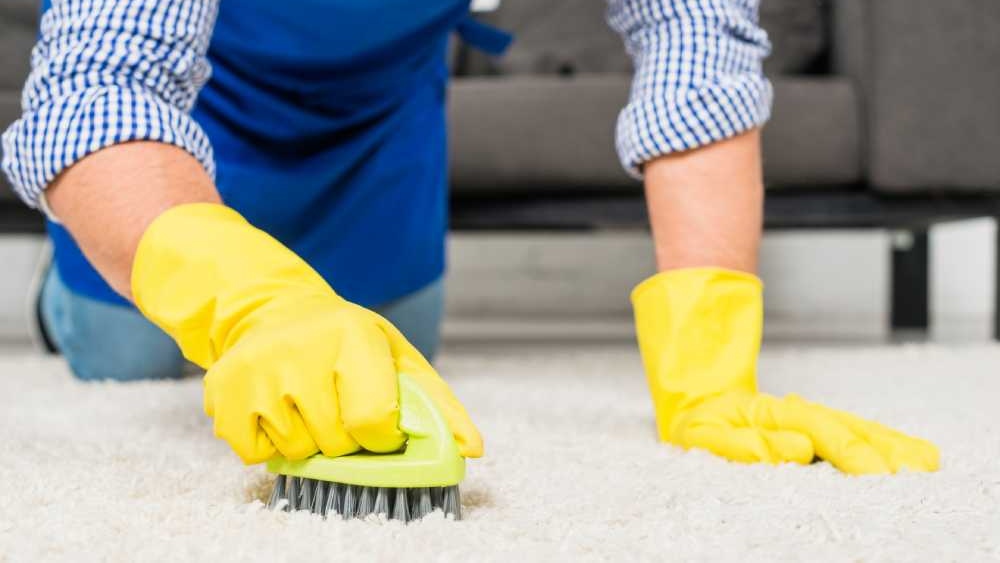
x=515, y=134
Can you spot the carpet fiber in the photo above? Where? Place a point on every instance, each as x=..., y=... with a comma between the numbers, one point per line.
x=131, y=472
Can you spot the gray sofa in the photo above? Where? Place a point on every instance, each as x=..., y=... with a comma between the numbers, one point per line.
x=892, y=96
x=887, y=115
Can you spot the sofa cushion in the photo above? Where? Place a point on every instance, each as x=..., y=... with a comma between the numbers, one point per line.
x=521, y=134
x=814, y=136
x=530, y=135
x=569, y=36
x=798, y=33
x=552, y=37
x=18, y=29
x=929, y=72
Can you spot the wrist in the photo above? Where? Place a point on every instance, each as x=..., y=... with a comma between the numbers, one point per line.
x=705, y=205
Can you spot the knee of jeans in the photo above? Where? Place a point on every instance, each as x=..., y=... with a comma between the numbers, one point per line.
x=426, y=343
x=418, y=317
x=97, y=361
x=118, y=351
x=103, y=341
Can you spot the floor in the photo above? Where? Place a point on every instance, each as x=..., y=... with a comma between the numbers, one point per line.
x=130, y=472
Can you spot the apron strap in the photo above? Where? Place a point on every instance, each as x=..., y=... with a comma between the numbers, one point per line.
x=486, y=38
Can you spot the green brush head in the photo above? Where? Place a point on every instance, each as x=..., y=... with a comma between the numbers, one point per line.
x=430, y=457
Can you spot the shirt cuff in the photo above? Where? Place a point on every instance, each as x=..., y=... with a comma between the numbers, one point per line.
x=62, y=131
x=655, y=126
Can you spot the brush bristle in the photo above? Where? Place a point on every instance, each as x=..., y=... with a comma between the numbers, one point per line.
x=353, y=501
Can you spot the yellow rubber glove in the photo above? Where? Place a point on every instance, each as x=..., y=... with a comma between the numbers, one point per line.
x=699, y=334
x=291, y=366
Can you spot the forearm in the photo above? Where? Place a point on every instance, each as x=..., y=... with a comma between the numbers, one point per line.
x=691, y=130
x=106, y=132
x=107, y=200
x=706, y=205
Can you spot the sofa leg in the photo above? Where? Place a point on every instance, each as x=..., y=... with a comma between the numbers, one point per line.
x=910, y=310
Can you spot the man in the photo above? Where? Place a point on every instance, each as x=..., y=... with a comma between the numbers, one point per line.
x=327, y=123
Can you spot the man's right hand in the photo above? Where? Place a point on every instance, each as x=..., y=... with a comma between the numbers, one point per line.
x=291, y=366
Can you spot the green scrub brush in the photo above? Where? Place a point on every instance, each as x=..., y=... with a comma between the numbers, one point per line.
x=405, y=485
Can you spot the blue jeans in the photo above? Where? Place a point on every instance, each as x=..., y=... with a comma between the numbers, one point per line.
x=105, y=341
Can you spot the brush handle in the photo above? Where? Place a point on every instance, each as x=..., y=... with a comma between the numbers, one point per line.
x=430, y=457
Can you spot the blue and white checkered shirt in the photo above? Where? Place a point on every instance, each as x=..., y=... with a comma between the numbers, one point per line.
x=110, y=71
x=698, y=74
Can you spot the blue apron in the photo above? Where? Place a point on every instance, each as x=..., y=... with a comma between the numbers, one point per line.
x=328, y=124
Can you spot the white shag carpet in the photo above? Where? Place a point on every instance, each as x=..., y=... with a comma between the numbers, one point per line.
x=130, y=472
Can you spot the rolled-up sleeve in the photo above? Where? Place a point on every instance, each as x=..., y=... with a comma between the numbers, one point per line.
x=698, y=75
x=106, y=72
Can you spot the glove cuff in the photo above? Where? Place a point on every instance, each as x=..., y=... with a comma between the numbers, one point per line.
x=699, y=333
x=689, y=275
x=200, y=268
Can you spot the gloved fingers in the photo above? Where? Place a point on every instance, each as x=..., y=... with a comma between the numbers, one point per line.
x=288, y=432
x=833, y=440
x=410, y=361
x=900, y=450
x=368, y=388
x=245, y=436
x=748, y=445
x=320, y=410
x=789, y=446
x=233, y=422
x=467, y=436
